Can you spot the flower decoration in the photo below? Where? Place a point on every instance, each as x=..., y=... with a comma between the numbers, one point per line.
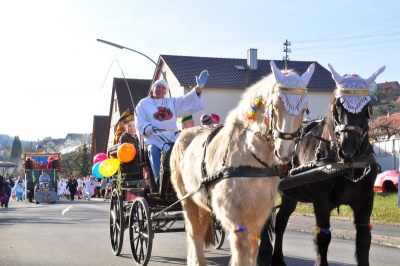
x=258, y=100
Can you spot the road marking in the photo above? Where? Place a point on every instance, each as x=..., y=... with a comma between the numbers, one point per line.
x=67, y=209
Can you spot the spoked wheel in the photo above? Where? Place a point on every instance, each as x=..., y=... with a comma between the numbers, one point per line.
x=140, y=231
x=117, y=223
x=219, y=234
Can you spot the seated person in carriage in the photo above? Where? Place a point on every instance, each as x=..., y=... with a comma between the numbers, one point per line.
x=129, y=136
x=44, y=177
x=157, y=112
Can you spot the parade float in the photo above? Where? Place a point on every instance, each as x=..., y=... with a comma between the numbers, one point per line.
x=36, y=163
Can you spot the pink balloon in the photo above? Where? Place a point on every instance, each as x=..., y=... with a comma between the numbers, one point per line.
x=99, y=158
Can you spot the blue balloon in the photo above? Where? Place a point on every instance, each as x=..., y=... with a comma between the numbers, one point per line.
x=96, y=171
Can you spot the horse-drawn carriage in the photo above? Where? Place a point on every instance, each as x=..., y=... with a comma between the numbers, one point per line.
x=236, y=177
x=137, y=203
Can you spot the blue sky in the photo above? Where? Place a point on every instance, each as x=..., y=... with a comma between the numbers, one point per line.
x=55, y=76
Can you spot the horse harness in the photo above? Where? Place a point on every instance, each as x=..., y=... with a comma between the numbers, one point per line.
x=366, y=156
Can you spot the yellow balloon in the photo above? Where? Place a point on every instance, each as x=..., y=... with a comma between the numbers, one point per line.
x=109, y=167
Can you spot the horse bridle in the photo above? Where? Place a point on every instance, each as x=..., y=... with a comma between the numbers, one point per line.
x=340, y=128
x=283, y=135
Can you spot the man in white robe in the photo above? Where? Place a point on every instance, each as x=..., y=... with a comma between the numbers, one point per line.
x=157, y=112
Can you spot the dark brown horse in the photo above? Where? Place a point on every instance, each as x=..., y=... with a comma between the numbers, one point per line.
x=341, y=137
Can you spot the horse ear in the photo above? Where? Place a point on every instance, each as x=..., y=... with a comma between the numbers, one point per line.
x=307, y=75
x=335, y=75
x=373, y=77
x=279, y=76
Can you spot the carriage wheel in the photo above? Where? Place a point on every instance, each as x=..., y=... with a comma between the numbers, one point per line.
x=117, y=223
x=219, y=234
x=140, y=231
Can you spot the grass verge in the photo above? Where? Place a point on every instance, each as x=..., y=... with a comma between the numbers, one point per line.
x=385, y=208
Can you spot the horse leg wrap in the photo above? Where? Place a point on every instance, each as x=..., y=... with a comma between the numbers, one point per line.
x=369, y=225
x=318, y=230
x=243, y=228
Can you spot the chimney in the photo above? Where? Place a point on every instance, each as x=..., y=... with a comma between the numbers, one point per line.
x=252, y=59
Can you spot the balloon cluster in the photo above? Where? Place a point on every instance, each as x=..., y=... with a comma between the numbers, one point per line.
x=106, y=167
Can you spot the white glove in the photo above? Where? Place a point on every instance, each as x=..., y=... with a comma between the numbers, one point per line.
x=202, y=79
x=148, y=130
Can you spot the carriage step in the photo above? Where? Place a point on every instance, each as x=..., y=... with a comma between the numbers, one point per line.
x=154, y=195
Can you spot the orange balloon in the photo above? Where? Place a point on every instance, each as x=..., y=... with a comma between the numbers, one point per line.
x=126, y=152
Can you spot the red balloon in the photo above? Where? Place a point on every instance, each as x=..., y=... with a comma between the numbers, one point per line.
x=99, y=158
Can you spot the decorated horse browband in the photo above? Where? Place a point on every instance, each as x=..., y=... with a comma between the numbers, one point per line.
x=293, y=100
x=354, y=97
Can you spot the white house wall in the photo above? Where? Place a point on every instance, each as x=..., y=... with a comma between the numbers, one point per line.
x=318, y=103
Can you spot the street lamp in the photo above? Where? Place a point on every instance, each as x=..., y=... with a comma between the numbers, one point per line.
x=123, y=47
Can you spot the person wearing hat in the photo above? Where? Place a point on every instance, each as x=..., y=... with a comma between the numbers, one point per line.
x=187, y=122
x=215, y=118
x=121, y=126
x=129, y=136
x=159, y=112
x=206, y=120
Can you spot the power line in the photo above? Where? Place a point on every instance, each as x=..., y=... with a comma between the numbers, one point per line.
x=377, y=35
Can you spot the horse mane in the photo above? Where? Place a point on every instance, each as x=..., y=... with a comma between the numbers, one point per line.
x=326, y=130
x=264, y=87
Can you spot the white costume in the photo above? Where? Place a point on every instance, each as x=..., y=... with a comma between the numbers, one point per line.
x=61, y=188
x=163, y=114
x=89, y=191
x=80, y=183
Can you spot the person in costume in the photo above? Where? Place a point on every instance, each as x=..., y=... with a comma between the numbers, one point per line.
x=129, y=136
x=8, y=183
x=89, y=184
x=187, y=122
x=61, y=188
x=215, y=118
x=158, y=112
x=72, y=187
x=19, y=188
x=206, y=120
x=121, y=126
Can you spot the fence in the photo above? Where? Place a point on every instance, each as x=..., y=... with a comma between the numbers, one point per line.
x=387, y=153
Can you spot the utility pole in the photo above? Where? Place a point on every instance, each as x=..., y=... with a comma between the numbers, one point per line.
x=286, y=50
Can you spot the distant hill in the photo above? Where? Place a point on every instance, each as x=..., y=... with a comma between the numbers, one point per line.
x=63, y=145
x=9, y=140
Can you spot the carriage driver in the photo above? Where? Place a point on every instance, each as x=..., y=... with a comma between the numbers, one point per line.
x=158, y=112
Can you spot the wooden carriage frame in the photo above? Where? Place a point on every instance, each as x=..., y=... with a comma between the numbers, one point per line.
x=134, y=206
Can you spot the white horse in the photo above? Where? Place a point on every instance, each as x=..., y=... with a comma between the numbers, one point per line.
x=228, y=171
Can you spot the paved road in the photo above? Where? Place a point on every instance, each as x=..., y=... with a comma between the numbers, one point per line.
x=34, y=234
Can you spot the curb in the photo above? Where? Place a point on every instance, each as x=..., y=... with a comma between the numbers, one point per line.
x=350, y=235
